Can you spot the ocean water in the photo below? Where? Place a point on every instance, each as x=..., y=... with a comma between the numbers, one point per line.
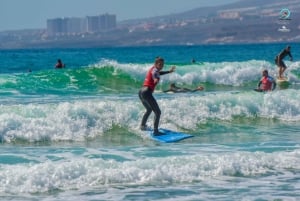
x=72, y=134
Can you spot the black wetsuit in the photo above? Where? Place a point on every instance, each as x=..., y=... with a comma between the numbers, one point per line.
x=149, y=102
x=279, y=58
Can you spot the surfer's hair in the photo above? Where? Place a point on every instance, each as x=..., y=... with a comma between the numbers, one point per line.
x=265, y=71
x=159, y=60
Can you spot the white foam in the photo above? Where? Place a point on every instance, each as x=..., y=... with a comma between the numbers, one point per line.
x=77, y=172
x=77, y=120
x=225, y=73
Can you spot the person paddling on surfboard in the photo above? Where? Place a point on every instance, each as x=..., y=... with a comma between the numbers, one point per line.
x=266, y=83
x=175, y=89
x=279, y=60
x=145, y=93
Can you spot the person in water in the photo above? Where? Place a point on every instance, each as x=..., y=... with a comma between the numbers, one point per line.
x=176, y=89
x=266, y=83
x=59, y=64
x=279, y=60
x=146, y=93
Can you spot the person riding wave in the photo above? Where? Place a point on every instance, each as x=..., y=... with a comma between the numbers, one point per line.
x=146, y=93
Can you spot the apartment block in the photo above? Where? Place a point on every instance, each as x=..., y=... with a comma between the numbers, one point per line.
x=76, y=25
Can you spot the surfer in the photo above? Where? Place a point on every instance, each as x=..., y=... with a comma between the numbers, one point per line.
x=59, y=64
x=145, y=94
x=266, y=83
x=176, y=89
x=279, y=60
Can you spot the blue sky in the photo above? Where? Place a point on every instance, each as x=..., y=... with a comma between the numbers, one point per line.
x=23, y=14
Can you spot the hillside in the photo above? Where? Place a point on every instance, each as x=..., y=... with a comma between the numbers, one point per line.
x=245, y=21
x=241, y=22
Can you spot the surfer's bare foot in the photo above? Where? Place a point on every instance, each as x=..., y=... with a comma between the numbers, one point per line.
x=143, y=128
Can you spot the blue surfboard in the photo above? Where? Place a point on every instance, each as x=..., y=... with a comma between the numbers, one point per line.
x=168, y=135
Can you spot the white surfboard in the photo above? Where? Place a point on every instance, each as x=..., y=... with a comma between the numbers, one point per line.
x=282, y=81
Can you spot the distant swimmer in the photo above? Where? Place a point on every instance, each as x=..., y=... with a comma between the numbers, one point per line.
x=279, y=60
x=193, y=61
x=266, y=83
x=175, y=89
x=59, y=64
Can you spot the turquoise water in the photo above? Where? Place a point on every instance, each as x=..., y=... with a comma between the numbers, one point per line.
x=72, y=134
